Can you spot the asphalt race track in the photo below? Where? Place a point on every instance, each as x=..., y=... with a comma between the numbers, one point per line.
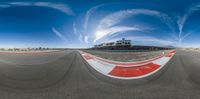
x=69, y=76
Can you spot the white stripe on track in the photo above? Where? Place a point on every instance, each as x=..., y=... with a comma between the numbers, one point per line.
x=102, y=68
x=161, y=61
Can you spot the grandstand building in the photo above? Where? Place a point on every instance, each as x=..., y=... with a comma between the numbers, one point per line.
x=124, y=44
x=120, y=43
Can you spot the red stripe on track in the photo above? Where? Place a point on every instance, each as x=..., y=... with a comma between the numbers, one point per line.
x=146, y=69
x=88, y=57
x=173, y=51
x=128, y=63
x=33, y=53
x=170, y=54
x=154, y=66
x=134, y=71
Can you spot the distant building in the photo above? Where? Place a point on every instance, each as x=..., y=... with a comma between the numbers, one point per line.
x=123, y=42
x=120, y=43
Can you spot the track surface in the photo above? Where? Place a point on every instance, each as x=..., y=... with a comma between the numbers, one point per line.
x=180, y=80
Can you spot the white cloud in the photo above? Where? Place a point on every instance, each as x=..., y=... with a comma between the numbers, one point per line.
x=181, y=21
x=20, y=3
x=106, y=26
x=58, y=6
x=114, y=18
x=80, y=38
x=75, y=29
x=86, y=39
x=4, y=5
x=59, y=34
x=90, y=12
x=110, y=31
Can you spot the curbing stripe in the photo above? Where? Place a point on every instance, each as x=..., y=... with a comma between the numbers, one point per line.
x=102, y=68
x=162, y=61
x=127, y=63
x=136, y=70
x=133, y=71
x=88, y=57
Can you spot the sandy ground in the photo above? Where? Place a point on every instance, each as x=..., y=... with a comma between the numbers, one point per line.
x=127, y=56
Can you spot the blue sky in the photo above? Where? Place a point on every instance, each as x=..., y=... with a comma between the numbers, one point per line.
x=77, y=24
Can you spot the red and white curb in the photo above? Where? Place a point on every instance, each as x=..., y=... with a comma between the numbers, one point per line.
x=127, y=70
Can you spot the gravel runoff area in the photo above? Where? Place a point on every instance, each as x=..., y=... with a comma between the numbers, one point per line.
x=127, y=56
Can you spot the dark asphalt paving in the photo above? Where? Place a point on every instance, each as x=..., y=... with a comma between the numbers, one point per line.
x=31, y=59
x=70, y=77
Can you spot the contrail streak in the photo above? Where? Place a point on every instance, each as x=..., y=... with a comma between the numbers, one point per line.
x=90, y=12
x=106, y=28
x=59, y=34
x=102, y=33
x=58, y=6
x=117, y=17
x=181, y=22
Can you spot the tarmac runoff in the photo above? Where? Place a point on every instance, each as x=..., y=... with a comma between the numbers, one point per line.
x=30, y=57
x=29, y=52
x=127, y=70
x=34, y=69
